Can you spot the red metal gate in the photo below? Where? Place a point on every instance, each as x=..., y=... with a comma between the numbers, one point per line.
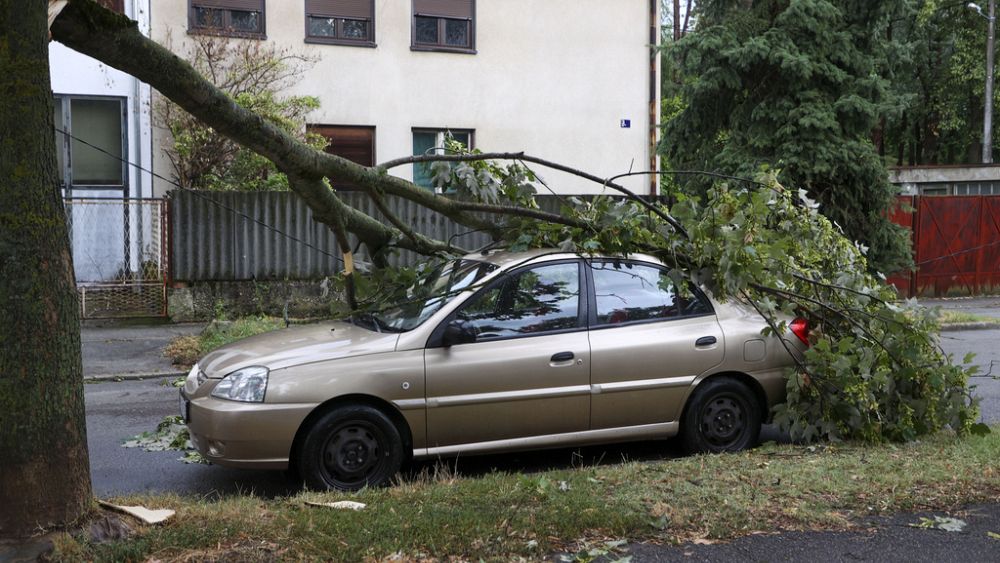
x=956, y=244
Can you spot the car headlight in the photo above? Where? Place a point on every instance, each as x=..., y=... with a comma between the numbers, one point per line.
x=247, y=385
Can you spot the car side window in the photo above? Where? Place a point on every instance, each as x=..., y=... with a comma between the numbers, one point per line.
x=537, y=300
x=627, y=292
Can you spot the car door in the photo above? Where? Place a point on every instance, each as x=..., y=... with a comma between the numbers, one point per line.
x=528, y=371
x=648, y=343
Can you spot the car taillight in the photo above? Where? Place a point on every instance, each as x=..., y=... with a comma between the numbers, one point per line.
x=800, y=328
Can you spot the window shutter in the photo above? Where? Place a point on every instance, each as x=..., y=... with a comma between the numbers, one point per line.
x=354, y=9
x=444, y=8
x=116, y=5
x=356, y=144
x=243, y=5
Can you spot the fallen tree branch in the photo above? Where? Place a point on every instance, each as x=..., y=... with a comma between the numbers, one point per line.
x=521, y=156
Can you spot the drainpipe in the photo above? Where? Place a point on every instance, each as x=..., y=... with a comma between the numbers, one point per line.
x=654, y=106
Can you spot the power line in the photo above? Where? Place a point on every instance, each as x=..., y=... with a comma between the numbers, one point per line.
x=960, y=252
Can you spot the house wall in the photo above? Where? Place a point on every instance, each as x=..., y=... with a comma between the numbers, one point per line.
x=972, y=179
x=553, y=78
x=74, y=74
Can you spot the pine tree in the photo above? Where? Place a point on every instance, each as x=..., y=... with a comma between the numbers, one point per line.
x=793, y=84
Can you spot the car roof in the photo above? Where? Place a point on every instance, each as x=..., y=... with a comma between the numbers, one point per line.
x=504, y=258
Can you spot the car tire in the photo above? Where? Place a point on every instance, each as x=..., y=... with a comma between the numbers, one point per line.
x=350, y=448
x=723, y=415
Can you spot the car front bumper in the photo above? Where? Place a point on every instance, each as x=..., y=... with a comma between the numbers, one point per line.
x=236, y=434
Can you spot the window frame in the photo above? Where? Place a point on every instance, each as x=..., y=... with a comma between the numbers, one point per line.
x=323, y=40
x=582, y=314
x=67, y=185
x=439, y=133
x=226, y=30
x=592, y=296
x=441, y=46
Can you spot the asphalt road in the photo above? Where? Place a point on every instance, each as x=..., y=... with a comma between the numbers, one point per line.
x=117, y=411
x=985, y=344
x=881, y=539
x=129, y=350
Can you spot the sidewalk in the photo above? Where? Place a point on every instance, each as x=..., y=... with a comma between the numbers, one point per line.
x=130, y=352
x=988, y=306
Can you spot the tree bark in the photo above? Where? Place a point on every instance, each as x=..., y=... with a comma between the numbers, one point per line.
x=677, y=19
x=44, y=466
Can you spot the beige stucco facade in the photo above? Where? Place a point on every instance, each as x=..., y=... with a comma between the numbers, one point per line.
x=553, y=78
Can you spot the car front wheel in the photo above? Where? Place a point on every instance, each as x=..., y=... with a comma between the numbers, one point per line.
x=723, y=415
x=350, y=448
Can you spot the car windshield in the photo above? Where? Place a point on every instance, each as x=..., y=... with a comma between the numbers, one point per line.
x=425, y=299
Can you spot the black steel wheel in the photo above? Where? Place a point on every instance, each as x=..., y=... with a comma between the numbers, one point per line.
x=350, y=448
x=722, y=415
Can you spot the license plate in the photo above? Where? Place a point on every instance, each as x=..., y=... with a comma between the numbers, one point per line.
x=185, y=408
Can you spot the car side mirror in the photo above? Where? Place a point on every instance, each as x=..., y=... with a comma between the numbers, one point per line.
x=458, y=332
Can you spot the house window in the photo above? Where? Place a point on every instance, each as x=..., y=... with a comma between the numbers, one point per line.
x=431, y=141
x=444, y=25
x=91, y=156
x=341, y=22
x=238, y=18
x=356, y=144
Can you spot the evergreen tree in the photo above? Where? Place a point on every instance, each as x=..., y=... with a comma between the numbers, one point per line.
x=937, y=69
x=793, y=84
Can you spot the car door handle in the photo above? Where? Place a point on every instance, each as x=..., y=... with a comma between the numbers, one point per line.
x=562, y=357
x=705, y=341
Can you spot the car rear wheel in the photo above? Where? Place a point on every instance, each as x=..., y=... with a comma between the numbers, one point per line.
x=723, y=415
x=350, y=448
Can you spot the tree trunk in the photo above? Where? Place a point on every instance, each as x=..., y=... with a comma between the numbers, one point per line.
x=901, y=147
x=878, y=136
x=44, y=467
x=677, y=19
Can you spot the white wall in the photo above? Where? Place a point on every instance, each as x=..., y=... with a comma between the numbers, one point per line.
x=76, y=74
x=551, y=77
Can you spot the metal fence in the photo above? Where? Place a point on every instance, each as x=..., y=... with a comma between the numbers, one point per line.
x=272, y=235
x=956, y=244
x=119, y=255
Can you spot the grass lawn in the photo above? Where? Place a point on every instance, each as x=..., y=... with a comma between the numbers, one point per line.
x=184, y=351
x=961, y=317
x=503, y=516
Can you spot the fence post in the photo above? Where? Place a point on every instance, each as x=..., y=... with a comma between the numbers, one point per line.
x=980, y=243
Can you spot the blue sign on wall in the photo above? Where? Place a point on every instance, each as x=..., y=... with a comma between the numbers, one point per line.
x=626, y=123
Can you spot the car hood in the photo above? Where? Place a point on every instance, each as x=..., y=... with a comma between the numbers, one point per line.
x=295, y=346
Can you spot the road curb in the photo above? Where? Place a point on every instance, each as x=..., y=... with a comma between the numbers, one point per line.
x=131, y=376
x=986, y=325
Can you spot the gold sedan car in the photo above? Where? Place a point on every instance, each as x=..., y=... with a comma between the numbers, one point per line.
x=497, y=352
